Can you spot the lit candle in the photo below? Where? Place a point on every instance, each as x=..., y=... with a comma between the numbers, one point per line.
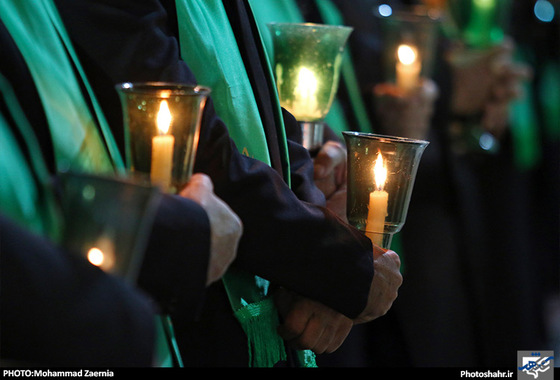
x=408, y=67
x=304, y=105
x=162, y=149
x=103, y=254
x=377, y=208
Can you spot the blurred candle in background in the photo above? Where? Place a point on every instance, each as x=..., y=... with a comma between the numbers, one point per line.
x=408, y=67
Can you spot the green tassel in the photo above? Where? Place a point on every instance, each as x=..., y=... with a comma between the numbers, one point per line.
x=307, y=359
x=259, y=321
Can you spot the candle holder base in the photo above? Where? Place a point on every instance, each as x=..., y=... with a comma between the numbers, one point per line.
x=382, y=240
x=312, y=135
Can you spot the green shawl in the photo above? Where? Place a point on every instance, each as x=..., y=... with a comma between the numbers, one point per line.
x=209, y=47
x=26, y=193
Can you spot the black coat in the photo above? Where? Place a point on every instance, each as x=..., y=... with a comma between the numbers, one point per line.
x=304, y=247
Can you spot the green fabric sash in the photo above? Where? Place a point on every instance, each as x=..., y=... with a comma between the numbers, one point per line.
x=46, y=49
x=26, y=193
x=209, y=47
x=332, y=16
x=203, y=27
x=78, y=145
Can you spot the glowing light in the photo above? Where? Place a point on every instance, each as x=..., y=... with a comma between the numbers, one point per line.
x=544, y=10
x=484, y=3
x=96, y=256
x=164, y=117
x=379, y=172
x=307, y=84
x=385, y=10
x=406, y=54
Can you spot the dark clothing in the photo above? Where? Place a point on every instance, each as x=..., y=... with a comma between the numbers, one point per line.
x=469, y=295
x=160, y=255
x=304, y=247
x=321, y=243
x=256, y=193
x=58, y=310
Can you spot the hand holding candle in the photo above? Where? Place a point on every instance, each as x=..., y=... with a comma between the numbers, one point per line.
x=162, y=149
x=378, y=200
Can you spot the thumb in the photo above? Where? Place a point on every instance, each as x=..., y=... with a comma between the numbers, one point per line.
x=331, y=155
x=198, y=185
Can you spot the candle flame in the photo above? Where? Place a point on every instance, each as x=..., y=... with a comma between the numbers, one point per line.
x=164, y=117
x=406, y=54
x=379, y=172
x=307, y=83
x=96, y=256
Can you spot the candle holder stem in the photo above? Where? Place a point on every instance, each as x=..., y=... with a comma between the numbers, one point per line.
x=312, y=135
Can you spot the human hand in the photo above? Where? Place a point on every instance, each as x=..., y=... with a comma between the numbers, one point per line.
x=225, y=226
x=387, y=279
x=310, y=325
x=485, y=82
x=330, y=176
x=406, y=114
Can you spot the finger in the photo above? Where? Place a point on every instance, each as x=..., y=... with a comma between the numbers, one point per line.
x=294, y=325
x=378, y=251
x=330, y=156
x=339, y=336
x=201, y=180
x=310, y=338
x=198, y=184
x=319, y=336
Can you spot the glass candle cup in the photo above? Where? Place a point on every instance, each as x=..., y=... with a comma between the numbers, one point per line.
x=409, y=37
x=162, y=125
x=307, y=61
x=480, y=23
x=107, y=221
x=381, y=174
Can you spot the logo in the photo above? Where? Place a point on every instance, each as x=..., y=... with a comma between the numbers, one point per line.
x=535, y=365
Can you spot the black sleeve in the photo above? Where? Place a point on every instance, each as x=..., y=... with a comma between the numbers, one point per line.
x=167, y=257
x=57, y=309
x=298, y=245
x=292, y=243
x=175, y=265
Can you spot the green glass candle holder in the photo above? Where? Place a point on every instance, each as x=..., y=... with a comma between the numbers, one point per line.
x=480, y=23
x=162, y=125
x=409, y=37
x=381, y=174
x=307, y=61
x=107, y=221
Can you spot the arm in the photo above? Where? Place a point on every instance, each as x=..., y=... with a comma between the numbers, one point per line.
x=301, y=246
x=57, y=309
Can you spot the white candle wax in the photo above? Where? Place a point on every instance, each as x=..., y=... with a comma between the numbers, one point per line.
x=377, y=211
x=378, y=200
x=408, y=68
x=162, y=160
x=162, y=149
